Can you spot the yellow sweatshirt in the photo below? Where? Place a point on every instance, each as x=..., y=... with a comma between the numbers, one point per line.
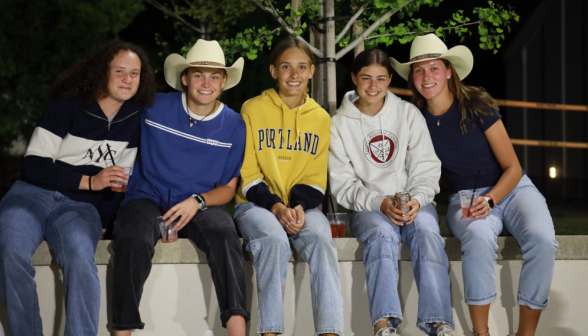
x=275, y=155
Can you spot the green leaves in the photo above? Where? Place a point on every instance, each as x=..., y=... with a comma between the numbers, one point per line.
x=493, y=20
x=248, y=43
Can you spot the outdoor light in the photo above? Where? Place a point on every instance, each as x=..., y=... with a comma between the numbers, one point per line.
x=552, y=173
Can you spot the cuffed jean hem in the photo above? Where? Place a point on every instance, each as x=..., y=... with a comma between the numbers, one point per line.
x=128, y=326
x=523, y=301
x=391, y=317
x=329, y=331
x=271, y=330
x=428, y=325
x=227, y=314
x=480, y=301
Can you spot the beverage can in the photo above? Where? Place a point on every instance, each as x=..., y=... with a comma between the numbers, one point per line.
x=400, y=200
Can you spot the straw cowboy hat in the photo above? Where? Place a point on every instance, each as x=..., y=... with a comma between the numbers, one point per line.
x=204, y=54
x=428, y=47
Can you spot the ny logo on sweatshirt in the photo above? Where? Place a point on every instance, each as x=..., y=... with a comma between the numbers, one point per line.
x=379, y=147
x=99, y=154
x=281, y=140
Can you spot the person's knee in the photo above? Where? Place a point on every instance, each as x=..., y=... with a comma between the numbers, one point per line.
x=276, y=246
x=11, y=255
x=478, y=237
x=541, y=244
x=223, y=235
x=382, y=243
x=77, y=259
x=131, y=245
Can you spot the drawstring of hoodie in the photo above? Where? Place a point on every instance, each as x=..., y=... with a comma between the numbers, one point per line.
x=298, y=116
x=297, y=121
x=283, y=121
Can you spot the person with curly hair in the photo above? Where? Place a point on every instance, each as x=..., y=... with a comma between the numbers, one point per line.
x=63, y=194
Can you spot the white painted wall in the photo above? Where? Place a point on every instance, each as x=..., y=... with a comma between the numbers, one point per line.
x=180, y=300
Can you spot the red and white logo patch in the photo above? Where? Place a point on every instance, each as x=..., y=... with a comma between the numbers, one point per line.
x=380, y=148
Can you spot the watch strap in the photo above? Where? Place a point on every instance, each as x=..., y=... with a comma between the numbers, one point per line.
x=200, y=199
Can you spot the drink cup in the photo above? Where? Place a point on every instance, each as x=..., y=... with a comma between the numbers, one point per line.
x=123, y=185
x=337, y=221
x=167, y=234
x=465, y=197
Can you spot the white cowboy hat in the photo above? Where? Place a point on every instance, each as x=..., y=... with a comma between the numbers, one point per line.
x=428, y=47
x=204, y=54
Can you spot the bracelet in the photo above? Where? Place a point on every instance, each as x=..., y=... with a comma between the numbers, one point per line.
x=90, y=183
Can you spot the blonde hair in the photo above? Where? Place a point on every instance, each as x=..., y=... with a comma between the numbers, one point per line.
x=474, y=102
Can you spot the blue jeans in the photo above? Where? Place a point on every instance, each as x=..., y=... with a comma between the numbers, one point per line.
x=429, y=264
x=29, y=214
x=267, y=240
x=523, y=213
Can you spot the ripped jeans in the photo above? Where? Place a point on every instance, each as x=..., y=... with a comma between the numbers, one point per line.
x=429, y=264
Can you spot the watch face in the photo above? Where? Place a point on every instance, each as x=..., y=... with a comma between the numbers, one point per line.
x=490, y=202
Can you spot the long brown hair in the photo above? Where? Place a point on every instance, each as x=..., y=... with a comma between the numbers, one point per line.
x=474, y=102
x=89, y=76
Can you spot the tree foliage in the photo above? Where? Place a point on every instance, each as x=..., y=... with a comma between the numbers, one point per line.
x=375, y=17
x=39, y=39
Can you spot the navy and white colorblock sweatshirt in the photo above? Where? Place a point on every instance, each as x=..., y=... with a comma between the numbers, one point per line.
x=71, y=140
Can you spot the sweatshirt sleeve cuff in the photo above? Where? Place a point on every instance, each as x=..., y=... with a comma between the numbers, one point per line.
x=377, y=202
x=422, y=200
x=73, y=181
x=262, y=196
x=305, y=196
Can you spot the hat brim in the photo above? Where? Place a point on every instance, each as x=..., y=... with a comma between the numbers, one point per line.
x=460, y=57
x=175, y=64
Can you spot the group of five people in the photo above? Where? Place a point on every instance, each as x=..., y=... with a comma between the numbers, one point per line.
x=196, y=154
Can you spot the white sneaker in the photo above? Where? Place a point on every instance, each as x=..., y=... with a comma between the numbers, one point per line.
x=386, y=332
x=445, y=330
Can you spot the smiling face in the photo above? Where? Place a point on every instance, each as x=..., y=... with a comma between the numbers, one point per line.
x=292, y=69
x=430, y=78
x=124, y=76
x=372, y=83
x=204, y=85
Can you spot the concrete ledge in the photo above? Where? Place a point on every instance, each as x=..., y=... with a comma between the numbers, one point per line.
x=349, y=249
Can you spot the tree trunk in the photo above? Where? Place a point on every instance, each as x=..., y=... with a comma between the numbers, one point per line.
x=318, y=82
x=330, y=54
x=295, y=4
x=357, y=30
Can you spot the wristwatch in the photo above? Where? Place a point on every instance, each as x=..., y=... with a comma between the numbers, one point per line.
x=200, y=200
x=489, y=201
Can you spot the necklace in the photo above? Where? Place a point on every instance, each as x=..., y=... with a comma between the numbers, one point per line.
x=194, y=121
x=438, y=118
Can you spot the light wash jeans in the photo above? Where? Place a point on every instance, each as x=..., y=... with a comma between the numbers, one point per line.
x=266, y=239
x=429, y=264
x=29, y=214
x=523, y=213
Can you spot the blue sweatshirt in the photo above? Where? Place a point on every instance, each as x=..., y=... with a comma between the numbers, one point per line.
x=185, y=159
x=71, y=140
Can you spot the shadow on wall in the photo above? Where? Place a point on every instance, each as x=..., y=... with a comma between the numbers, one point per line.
x=3, y=321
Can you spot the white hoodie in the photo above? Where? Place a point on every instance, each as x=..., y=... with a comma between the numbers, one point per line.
x=371, y=158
